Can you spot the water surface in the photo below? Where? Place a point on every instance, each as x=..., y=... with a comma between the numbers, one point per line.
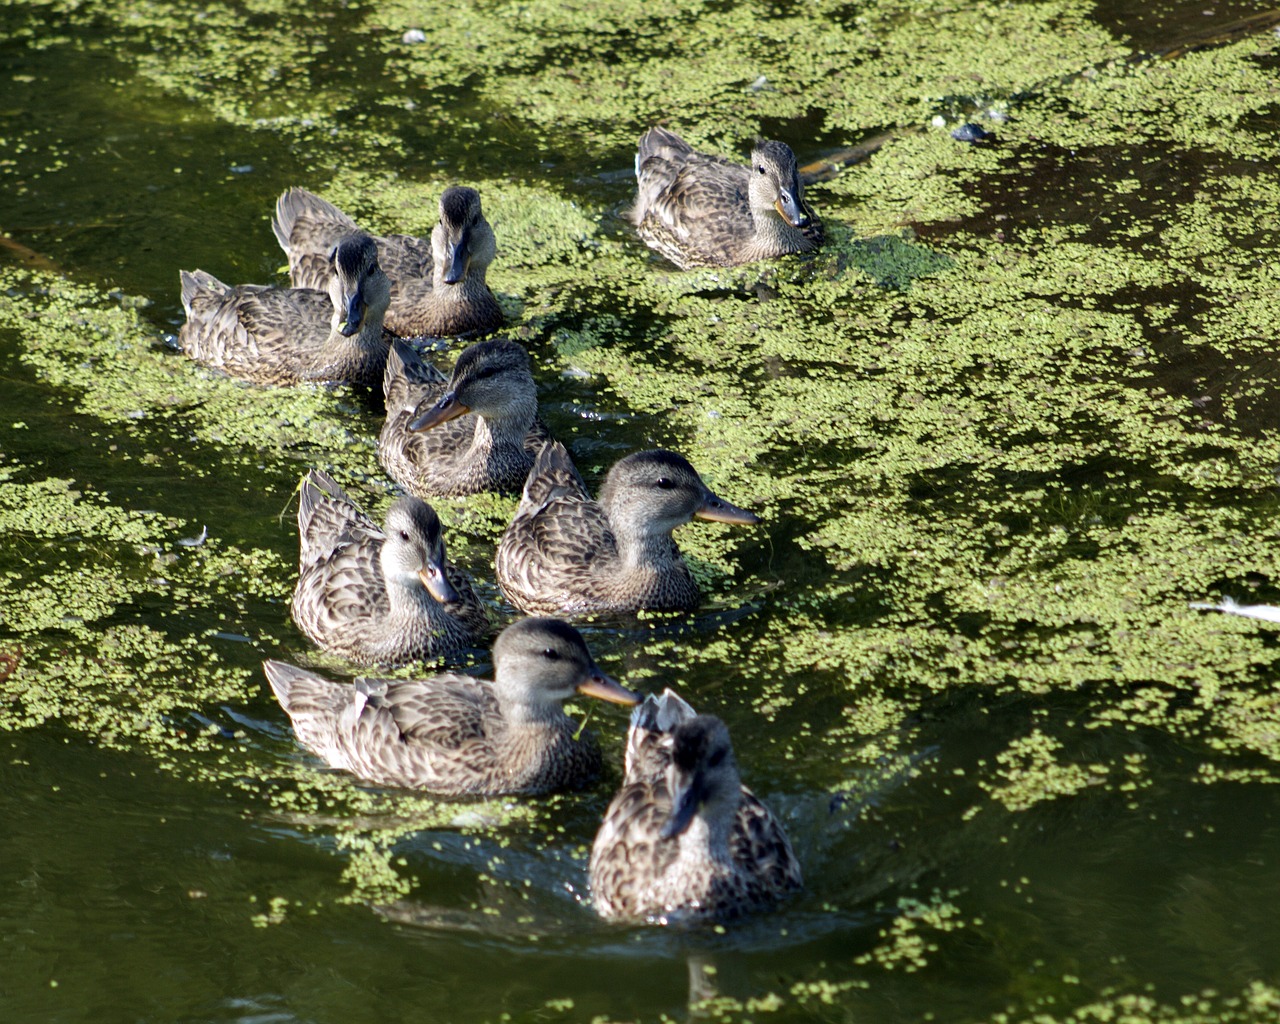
x=1002, y=430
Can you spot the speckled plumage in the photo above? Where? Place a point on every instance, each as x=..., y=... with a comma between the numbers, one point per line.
x=480, y=429
x=379, y=597
x=287, y=335
x=437, y=287
x=703, y=211
x=564, y=553
x=683, y=839
x=454, y=734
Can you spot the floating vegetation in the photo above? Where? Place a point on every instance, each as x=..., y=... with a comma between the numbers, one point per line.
x=1003, y=429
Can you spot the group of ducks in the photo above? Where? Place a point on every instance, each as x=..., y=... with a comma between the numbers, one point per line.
x=683, y=839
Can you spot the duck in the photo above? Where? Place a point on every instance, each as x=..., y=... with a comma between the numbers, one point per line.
x=564, y=553
x=379, y=596
x=699, y=210
x=454, y=734
x=683, y=840
x=283, y=336
x=438, y=287
x=476, y=430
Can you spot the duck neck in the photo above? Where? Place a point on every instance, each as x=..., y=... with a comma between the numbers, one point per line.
x=640, y=547
x=409, y=600
x=366, y=343
x=773, y=234
x=466, y=302
x=503, y=432
x=530, y=735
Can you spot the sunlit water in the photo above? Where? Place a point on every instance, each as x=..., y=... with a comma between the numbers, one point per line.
x=172, y=882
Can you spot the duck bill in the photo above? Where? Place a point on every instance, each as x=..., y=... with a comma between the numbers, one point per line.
x=457, y=256
x=354, y=314
x=602, y=687
x=436, y=580
x=720, y=511
x=790, y=210
x=685, y=804
x=448, y=408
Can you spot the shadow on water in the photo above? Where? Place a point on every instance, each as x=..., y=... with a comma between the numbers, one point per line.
x=1006, y=806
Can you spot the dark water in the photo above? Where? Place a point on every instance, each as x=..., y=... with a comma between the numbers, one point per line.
x=130, y=889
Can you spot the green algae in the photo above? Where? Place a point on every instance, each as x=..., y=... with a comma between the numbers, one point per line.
x=986, y=470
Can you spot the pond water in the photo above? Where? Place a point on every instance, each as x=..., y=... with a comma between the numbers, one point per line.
x=1003, y=429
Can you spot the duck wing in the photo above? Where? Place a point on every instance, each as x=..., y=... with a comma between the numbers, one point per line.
x=555, y=540
x=253, y=331
x=761, y=847
x=339, y=572
x=706, y=207
x=406, y=259
x=448, y=711
x=422, y=461
x=628, y=855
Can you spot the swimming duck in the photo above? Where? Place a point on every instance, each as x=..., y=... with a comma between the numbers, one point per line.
x=683, y=839
x=437, y=287
x=379, y=597
x=287, y=335
x=477, y=430
x=699, y=210
x=454, y=734
x=565, y=553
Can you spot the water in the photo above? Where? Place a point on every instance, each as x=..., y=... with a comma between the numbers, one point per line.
x=997, y=454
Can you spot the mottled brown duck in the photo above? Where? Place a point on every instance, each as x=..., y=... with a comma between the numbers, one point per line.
x=454, y=734
x=379, y=596
x=683, y=840
x=564, y=553
x=477, y=430
x=438, y=287
x=288, y=335
x=699, y=210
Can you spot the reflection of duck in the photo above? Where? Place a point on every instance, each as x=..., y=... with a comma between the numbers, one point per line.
x=702, y=211
x=379, y=596
x=431, y=445
x=286, y=335
x=565, y=553
x=437, y=289
x=683, y=838
x=454, y=734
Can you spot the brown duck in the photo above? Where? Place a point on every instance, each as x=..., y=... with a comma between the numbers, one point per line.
x=437, y=288
x=565, y=553
x=683, y=839
x=379, y=596
x=454, y=734
x=287, y=335
x=477, y=430
x=699, y=210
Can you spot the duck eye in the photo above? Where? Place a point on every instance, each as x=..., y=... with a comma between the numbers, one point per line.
x=759, y=168
x=716, y=759
x=404, y=535
x=488, y=371
x=666, y=483
x=551, y=654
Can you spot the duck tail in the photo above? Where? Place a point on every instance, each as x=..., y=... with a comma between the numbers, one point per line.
x=196, y=281
x=294, y=204
x=317, y=486
x=553, y=475
x=660, y=142
x=654, y=719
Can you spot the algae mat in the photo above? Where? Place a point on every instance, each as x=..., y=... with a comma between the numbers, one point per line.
x=1003, y=429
